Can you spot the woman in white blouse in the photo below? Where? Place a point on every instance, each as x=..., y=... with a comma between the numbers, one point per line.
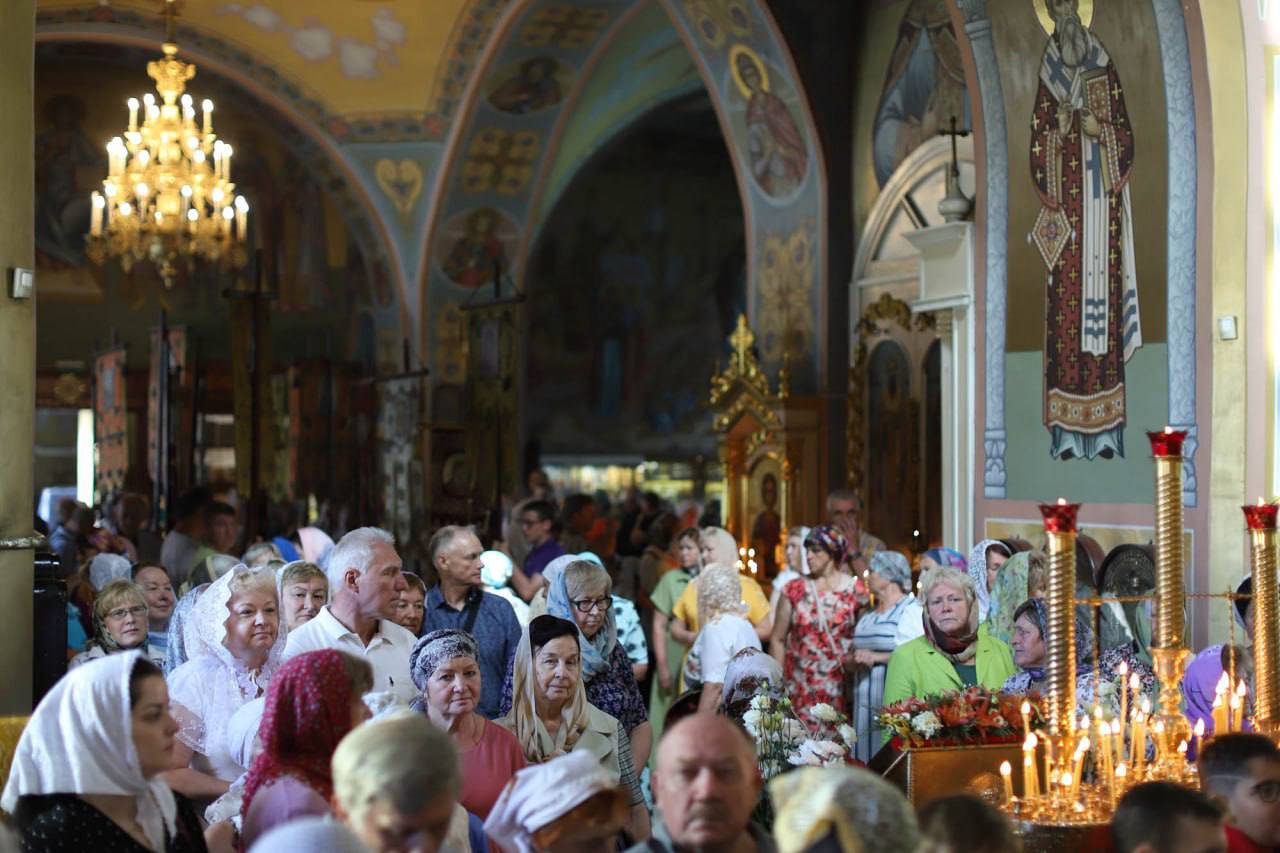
x=234, y=640
x=725, y=632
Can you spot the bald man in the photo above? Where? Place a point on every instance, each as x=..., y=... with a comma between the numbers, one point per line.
x=706, y=786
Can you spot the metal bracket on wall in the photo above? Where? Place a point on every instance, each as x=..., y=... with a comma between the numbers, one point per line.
x=31, y=542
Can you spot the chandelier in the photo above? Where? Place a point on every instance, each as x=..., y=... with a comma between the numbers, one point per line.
x=168, y=196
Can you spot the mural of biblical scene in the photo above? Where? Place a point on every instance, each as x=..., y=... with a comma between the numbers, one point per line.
x=633, y=285
x=924, y=86
x=763, y=509
x=761, y=108
x=476, y=246
x=1085, y=350
x=531, y=85
x=320, y=278
x=893, y=468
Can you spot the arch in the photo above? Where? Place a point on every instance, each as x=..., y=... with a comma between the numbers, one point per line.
x=785, y=244
x=327, y=155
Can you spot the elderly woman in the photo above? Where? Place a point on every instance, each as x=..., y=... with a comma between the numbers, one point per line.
x=896, y=619
x=411, y=607
x=1030, y=624
x=445, y=668
x=154, y=582
x=304, y=589
x=1012, y=587
x=725, y=632
x=954, y=651
x=719, y=548
x=234, y=641
x=119, y=621
x=551, y=715
x=813, y=637
x=841, y=808
x=86, y=772
x=578, y=591
x=313, y=701
x=985, y=561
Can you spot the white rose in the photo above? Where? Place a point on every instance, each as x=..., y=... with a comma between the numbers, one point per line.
x=926, y=723
x=848, y=734
x=751, y=720
x=826, y=713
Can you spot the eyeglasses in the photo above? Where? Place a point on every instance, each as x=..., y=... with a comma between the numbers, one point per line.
x=138, y=611
x=586, y=605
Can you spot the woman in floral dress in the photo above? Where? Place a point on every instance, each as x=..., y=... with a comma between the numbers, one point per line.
x=813, y=634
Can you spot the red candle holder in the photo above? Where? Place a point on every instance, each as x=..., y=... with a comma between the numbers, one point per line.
x=1261, y=516
x=1167, y=442
x=1060, y=517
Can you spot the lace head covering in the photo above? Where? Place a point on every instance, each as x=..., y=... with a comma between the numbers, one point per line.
x=595, y=650
x=242, y=731
x=497, y=570
x=105, y=568
x=436, y=648
x=863, y=811
x=205, y=631
x=719, y=593
x=308, y=710
x=177, y=647
x=978, y=572
x=79, y=740
x=523, y=721
x=893, y=567
x=749, y=671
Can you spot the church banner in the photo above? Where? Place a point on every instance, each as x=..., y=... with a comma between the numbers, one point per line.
x=110, y=421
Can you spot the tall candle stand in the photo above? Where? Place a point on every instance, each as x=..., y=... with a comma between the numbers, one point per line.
x=1169, y=654
x=1261, y=520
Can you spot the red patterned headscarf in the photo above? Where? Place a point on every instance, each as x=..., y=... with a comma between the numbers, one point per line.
x=308, y=710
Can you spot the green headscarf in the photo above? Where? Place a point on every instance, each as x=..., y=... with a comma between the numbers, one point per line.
x=1009, y=592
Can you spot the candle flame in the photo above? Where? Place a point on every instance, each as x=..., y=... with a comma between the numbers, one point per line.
x=1182, y=747
x=1135, y=683
x=1006, y=768
x=1026, y=708
x=1168, y=430
x=1030, y=743
x=1123, y=669
x=1159, y=729
x=1121, y=771
x=1066, y=778
x=1241, y=689
x=1083, y=747
x=1199, y=729
x=1062, y=501
x=1224, y=683
x=1146, y=705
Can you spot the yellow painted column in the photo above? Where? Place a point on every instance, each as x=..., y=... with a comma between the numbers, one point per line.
x=18, y=348
x=1225, y=54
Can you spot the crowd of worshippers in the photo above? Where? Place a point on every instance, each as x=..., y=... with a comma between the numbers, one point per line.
x=313, y=695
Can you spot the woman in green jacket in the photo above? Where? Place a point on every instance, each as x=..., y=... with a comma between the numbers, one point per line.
x=954, y=651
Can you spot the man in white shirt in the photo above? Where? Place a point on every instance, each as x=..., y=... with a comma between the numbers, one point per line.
x=364, y=586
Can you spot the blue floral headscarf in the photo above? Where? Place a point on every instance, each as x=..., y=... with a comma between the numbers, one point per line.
x=596, y=650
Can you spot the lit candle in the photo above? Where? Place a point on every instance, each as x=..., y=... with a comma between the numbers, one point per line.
x=207, y=105
x=242, y=218
x=1123, y=670
x=133, y=115
x=1122, y=775
x=1237, y=707
x=1077, y=765
x=1068, y=783
x=1006, y=775
x=1197, y=734
x=95, y=222
x=1026, y=719
x=1030, y=775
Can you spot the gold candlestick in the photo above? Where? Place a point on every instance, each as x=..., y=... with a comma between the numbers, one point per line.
x=1266, y=632
x=1059, y=599
x=1169, y=653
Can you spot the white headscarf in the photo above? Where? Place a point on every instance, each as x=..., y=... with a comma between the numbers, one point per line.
x=80, y=741
x=105, y=568
x=542, y=793
x=978, y=572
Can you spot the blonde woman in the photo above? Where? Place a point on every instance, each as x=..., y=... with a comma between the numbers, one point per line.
x=304, y=589
x=234, y=639
x=119, y=621
x=720, y=548
x=725, y=632
x=550, y=714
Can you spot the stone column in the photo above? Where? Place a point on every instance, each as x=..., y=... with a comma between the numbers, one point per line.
x=17, y=366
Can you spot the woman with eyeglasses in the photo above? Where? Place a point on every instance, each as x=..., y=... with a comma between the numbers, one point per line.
x=955, y=652
x=551, y=714
x=119, y=621
x=580, y=591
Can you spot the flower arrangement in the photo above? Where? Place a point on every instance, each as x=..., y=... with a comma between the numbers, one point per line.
x=957, y=717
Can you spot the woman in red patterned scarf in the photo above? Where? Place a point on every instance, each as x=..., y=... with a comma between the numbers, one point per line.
x=313, y=701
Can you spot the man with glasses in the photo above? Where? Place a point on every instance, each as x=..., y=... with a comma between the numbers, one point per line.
x=536, y=521
x=459, y=601
x=1241, y=771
